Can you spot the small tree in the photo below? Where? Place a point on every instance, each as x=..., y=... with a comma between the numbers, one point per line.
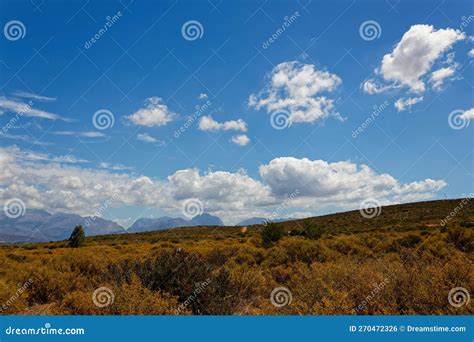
x=77, y=237
x=272, y=232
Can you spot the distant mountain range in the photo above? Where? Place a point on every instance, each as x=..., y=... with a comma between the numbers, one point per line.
x=165, y=222
x=38, y=225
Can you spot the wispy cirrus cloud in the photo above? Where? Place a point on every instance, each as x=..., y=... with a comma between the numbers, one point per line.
x=26, y=109
x=25, y=138
x=82, y=134
x=147, y=138
x=28, y=95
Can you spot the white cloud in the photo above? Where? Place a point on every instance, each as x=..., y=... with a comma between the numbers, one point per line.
x=114, y=167
x=241, y=140
x=155, y=113
x=415, y=54
x=372, y=87
x=25, y=155
x=85, y=134
x=468, y=114
x=471, y=53
x=59, y=184
x=203, y=96
x=26, y=138
x=437, y=77
x=410, y=65
x=28, y=95
x=26, y=109
x=207, y=123
x=145, y=137
x=404, y=104
x=340, y=183
x=299, y=89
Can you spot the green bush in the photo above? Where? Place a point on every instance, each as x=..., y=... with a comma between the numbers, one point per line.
x=272, y=232
x=313, y=232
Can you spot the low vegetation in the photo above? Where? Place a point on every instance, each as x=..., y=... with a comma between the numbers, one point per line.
x=405, y=263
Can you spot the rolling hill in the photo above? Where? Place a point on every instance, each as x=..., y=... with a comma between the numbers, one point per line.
x=404, y=261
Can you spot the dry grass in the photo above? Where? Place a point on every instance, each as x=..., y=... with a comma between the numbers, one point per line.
x=402, y=262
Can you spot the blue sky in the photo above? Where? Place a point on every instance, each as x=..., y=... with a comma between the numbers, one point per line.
x=328, y=76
